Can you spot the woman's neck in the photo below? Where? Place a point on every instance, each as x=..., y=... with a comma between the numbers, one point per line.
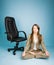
x=35, y=34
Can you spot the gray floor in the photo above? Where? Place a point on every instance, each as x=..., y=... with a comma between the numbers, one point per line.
x=7, y=58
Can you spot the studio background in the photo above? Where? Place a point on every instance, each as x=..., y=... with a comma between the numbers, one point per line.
x=27, y=13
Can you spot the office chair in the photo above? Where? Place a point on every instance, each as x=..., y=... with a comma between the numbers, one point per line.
x=13, y=34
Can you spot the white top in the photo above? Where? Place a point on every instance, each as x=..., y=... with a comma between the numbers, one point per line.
x=35, y=41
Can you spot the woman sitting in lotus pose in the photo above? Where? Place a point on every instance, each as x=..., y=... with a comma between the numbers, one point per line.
x=35, y=47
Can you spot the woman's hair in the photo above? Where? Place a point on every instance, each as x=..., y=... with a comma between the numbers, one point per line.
x=38, y=34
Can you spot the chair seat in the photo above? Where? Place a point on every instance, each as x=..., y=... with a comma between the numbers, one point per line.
x=19, y=39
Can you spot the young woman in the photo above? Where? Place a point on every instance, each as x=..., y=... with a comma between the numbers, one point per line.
x=35, y=47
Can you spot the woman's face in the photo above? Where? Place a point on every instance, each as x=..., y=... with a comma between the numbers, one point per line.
x=35, y=29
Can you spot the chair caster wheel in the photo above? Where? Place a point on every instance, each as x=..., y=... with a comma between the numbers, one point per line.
x=14, y=53
x=22, y=48
x=8, y=50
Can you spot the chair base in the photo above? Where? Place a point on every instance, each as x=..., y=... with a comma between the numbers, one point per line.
x=15, y=49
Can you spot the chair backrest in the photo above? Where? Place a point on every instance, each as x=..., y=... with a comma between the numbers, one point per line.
x=10, y=27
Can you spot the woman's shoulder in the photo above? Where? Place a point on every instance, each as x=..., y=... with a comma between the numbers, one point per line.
x=41, y=36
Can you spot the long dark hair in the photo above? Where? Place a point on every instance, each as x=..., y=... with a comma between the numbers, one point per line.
x=38, y=34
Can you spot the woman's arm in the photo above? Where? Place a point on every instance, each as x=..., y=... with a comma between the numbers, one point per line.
x=44, y=48
x=27, y=46
x=43, y=45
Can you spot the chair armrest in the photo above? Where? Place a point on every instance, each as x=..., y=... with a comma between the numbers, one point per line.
x=24, y=33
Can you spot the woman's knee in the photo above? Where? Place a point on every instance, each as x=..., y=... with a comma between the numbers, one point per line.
x=47, y=56
x=23, y=57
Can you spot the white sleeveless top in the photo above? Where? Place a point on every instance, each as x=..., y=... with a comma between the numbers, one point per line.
x=35, y=41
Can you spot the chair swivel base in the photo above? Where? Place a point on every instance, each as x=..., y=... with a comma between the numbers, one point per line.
x=15, y=49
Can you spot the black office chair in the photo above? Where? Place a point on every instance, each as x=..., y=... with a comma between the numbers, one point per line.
x=13, y=34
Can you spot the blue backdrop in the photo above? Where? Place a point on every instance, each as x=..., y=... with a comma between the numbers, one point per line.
x=27, y=13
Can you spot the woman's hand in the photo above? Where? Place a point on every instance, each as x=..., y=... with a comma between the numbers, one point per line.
x=23, y=54
x=47, y=53
x=32, y=53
